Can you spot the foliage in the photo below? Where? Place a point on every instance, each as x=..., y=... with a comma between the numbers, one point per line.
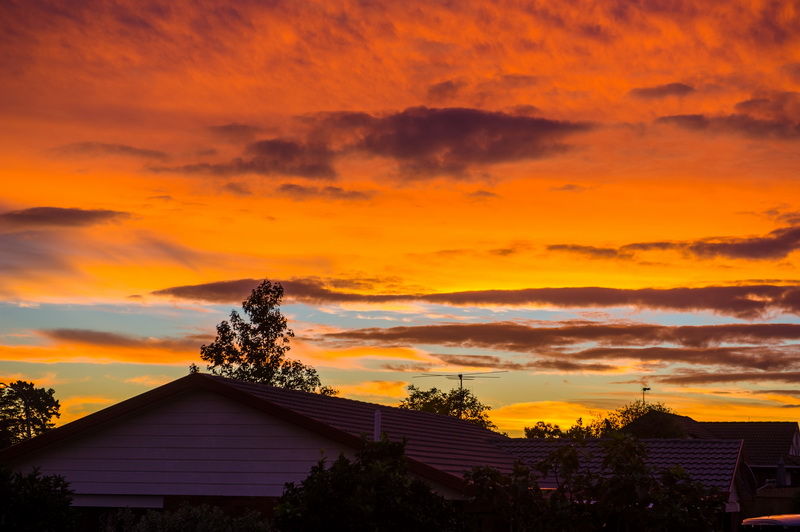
x=458, y=402
x=623, y=493
x=373, y=492
x=254, y=349
x=35, y=503
x=600, y=426
x=25, y=412
x=543, y=430
x=507, y=501
x=200, y=518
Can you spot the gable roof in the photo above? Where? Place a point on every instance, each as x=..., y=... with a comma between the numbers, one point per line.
x=438, y=447
x=711, y=462
x=765, y=442
x=655, y=424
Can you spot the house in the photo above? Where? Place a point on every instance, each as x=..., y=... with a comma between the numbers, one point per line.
x=204, y=438
x=769, y=447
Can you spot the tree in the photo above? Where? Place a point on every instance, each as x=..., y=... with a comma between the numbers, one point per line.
x=600, y=426
x=197, y=518
x=26, y=411
x=254, y=349
x=458, y=402
x=375, y=491
x=35, y=503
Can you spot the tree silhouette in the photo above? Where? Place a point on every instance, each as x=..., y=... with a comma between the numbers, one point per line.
x=458, y=402
x=25, y=411
x=254, y=349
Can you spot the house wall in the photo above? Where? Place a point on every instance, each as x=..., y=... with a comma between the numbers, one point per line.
x=198, y=444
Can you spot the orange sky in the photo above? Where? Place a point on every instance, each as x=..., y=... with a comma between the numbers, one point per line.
x=620, y=176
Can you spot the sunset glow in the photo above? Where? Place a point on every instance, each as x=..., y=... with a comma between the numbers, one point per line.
x=591, y=196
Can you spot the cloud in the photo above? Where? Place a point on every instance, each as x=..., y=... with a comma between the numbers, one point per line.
x=303, y=193
x=662, y=91
x=235, y=133
x=590, y=251
x=792, y=377
x=36, y=217
x=523, y=338
x=777, y=244
x=270, y=157
x=740, y=124
x=453, y=141
x=97, y=149
x=125, y=341
x=748, y=302
x=445, y=91
x=569, y=187
x=496, y=362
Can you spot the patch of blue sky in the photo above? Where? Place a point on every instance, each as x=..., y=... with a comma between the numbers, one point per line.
x=18, y=323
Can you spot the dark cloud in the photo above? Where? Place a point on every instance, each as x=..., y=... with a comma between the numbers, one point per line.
x=590, y=251
x=94, y=149
x=494, y=362
x=523, y=338
x=28, y=254
x=452, y=141
x=301, y=193
x=748, y=302
x=58, y=217
x=569, y=187
x=445, y=91
x=777, y=244
x=423, y=141
x=118, y=340
x=236, y=133
x=270, y=157
x=482, y=195
x=662, y=91
x=792, y=377
x=780, y=128
x=416, y=368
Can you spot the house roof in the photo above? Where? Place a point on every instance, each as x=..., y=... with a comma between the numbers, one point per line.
x=712, y=462
x=440, y=448
x=765, y=442
x=655, y=424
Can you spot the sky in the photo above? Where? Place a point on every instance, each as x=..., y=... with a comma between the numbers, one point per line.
x=592, y=197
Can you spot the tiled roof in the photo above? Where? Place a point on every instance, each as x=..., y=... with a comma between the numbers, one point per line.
x=765, y=442
x=655, y=424
x=444, y=442
x=712, y=462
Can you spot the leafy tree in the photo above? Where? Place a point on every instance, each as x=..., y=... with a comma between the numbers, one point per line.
x=254, y=349
x=600, y=426
x=458, y=402
x=543, y=430
x=197, y=518
x=373, y=492
x=505, y=502
x=26, y=411
x=35, y=503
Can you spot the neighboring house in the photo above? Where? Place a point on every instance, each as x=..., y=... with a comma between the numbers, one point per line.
x=715, y=463
x=770, y=447
x=210, y=439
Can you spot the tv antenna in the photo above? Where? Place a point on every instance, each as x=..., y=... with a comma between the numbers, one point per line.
x=644, y=389
x=461, y=377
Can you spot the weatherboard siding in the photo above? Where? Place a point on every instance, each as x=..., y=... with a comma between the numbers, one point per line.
x=196, y=444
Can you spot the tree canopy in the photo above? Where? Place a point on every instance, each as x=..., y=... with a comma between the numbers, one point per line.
x=31, y=502
x=254, y=348
x=458, y=402
x=26, y=411
x=375, y=491
x=601, y=426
